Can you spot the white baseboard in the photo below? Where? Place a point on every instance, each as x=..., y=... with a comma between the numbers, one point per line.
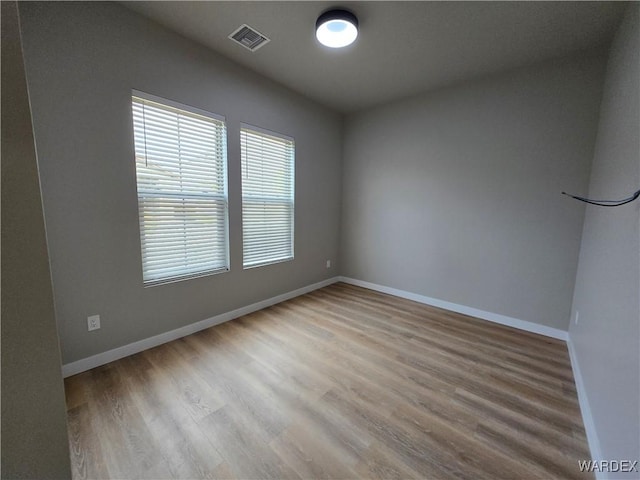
x=585, y=410
x=139, y=346
x=454, y=307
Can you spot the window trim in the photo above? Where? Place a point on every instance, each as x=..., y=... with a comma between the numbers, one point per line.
x=287, y=138
x=224, y=196
x=179, y=106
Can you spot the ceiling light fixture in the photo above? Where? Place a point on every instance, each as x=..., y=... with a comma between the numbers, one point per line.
x=337, y=28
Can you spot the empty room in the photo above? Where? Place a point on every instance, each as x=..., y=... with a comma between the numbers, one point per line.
x=281, y=240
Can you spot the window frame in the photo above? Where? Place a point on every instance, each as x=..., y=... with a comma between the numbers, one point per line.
x=291, y=200
x=216, y=197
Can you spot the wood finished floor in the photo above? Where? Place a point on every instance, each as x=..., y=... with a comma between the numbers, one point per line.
x=340, y=383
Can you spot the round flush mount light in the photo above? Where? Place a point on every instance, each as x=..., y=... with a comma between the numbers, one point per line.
x=337, y=28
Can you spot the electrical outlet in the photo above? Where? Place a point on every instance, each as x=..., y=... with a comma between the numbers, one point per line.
x=577, y=316
x=93, y=322
x=328, y=263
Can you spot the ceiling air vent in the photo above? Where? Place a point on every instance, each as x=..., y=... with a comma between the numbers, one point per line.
x=249, y=38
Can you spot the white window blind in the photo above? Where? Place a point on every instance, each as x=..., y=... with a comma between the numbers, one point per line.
x=267, y=196
x=181, y=171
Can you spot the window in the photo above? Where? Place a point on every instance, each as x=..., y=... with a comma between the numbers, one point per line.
x=181, y=171
x=267, y=196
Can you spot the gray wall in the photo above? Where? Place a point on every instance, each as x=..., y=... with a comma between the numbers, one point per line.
x=34, y=429
x=82, y=60
x=606, y=338
x=455, y=194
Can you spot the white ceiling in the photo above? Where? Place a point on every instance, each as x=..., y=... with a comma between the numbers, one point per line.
x=403, y=48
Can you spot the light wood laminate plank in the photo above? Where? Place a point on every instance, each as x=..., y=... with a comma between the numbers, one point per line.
x=343, y=382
